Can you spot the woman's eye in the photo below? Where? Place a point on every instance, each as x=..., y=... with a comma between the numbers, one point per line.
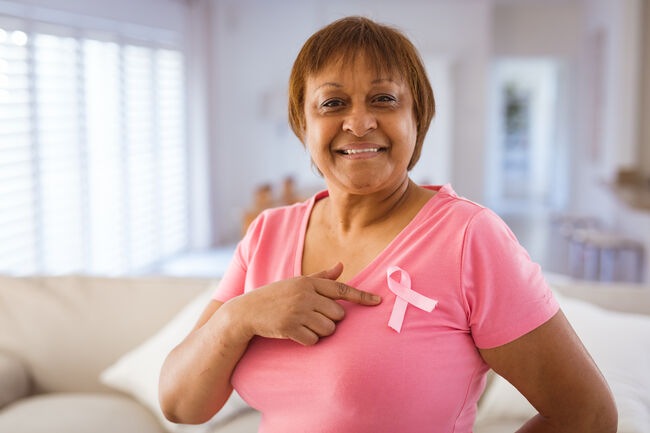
x=332, y=103
x=385, y=98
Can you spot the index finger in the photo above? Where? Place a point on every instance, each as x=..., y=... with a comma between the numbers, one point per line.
x=338, y=290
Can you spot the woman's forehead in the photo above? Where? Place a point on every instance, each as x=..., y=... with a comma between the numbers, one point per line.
x=360, y=66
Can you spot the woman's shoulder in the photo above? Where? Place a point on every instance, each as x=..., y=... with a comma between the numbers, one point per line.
x=448, y=204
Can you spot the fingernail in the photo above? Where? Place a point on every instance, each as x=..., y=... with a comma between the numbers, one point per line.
x=376, y=298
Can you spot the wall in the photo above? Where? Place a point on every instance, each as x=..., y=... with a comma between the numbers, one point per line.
x=255, y=43
x=644, y=133
x=607, y=112
x=198, y=33
x=253, y=46
x=542, y=29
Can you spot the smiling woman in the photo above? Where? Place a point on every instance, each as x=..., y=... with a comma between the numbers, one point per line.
x=428, y=291
x=388, y=54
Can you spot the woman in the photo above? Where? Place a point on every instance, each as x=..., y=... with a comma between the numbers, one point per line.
x=308, y=344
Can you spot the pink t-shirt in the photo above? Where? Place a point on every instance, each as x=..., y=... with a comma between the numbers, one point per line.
x=366, y=377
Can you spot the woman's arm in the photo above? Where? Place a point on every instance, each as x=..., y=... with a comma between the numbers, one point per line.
x=195, y=378
x=553, y=370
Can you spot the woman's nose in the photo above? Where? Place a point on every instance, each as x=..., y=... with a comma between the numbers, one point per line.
x=359, y=121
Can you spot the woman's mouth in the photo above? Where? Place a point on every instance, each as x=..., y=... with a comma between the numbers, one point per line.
x=353, y=151
x=361, y=153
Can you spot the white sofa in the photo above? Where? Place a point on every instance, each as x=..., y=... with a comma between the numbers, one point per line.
x=58, y=334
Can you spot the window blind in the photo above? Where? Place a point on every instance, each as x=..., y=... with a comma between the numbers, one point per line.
x=18, y=227
x=58, y=152
x=93, y=174
x=107, y=184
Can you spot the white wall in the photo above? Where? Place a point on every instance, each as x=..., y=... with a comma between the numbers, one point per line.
x=253, y=47
x=199, y=70
x=538, y=29
x=607, y=117
x=644, y=133
x=255, y=43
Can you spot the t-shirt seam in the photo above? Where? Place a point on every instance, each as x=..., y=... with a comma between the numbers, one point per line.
x=306, y=208
x=232, y=294
x=462, y=258
x=469, y=386
x=470, y=202
x=239, y=262
x=260, y=221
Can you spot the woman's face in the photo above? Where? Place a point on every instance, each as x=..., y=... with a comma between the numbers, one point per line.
x=360, y=127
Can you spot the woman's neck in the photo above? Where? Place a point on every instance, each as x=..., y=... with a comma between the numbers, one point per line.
x=347, y=215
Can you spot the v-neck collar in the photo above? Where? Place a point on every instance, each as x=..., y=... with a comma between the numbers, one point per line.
x=300, y=247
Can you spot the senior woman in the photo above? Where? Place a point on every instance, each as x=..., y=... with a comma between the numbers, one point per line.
x=296, y=326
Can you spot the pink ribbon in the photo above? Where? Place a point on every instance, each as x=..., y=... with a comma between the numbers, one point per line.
x=404, y=296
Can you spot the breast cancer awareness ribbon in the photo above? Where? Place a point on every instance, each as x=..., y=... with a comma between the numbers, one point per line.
x=404, y=296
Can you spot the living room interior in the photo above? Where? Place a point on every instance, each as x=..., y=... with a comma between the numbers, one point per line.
x=138, y=140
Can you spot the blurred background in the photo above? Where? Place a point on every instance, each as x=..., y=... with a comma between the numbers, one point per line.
x=139, y=137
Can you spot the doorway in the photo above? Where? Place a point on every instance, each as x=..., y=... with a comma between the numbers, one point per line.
x=527, y=173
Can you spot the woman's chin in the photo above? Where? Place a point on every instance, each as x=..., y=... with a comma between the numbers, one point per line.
x=362, y=185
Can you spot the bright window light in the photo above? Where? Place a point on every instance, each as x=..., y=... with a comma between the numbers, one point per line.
x=93, y=175
x=19, y=38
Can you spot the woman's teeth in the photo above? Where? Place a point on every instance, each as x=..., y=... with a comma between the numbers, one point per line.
x=352, y=151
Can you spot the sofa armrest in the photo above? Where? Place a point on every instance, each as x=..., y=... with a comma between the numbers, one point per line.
x=15, y=381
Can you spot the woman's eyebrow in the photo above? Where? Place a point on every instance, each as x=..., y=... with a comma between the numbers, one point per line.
x=329, y=83
x=338, y=85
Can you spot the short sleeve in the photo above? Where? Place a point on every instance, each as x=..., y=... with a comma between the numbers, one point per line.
x=234, y=279
x=505, y=291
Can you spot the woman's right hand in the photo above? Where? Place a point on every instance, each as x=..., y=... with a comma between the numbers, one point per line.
x=301, y=308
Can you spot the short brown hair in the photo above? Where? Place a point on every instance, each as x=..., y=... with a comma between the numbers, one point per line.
x=386, y=48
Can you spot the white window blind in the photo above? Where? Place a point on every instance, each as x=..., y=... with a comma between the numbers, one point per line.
x=93, y=174
x=57, y=96
x=174, y=216
x=106, y=181
x=141, y=153
x=18, y=195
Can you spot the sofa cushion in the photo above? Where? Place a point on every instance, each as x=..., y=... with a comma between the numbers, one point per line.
x=14, y=379
x=623, y=297
x=77, y=413
x=246, y=422
x=67, y=329
x=137, y=372
x=499, y=426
